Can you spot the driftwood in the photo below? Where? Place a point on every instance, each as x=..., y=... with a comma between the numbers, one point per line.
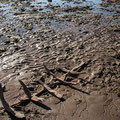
x=72, y=71
x=55, y=93
x=34, y=98
x=7, y=107
x=27, y=92
x=29, y=96
x=66, y=70
x=78, y=67
x=59, y=79
x=23, y=99
x=38, y=92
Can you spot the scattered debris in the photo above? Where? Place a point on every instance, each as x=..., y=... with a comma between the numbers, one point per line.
x=59, y=79
x=73, y=71
x=30, y=97
x=67, y=31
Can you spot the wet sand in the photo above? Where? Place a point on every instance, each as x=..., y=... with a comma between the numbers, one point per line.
x=32, y=36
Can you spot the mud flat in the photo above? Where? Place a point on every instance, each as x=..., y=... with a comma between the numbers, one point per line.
x=67, y=55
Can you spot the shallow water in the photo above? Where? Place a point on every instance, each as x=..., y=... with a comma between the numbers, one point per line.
x=10, y=9
x=7, y=8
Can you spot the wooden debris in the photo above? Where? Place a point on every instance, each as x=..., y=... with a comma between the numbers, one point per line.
x=37, y=99
x=27, y=92
x=39, y=92
x=59, y=79
x=34, y=98
x=7, y=107
x=71, y=72
x=78, y=67
x=66, y=70
x=19, y=101
x=55, y=93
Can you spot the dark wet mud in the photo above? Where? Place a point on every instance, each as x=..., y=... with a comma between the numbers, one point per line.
x=65, y=32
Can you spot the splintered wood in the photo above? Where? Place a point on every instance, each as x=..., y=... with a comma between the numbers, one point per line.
x=7, y=107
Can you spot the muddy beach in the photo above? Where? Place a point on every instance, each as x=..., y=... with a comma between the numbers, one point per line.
x=60, y=59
